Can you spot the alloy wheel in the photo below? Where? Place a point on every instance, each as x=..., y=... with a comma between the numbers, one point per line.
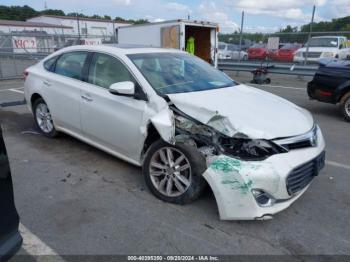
x=170, y=172
x=44, y=119
x=347, y=106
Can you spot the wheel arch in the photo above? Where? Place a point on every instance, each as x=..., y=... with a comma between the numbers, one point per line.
x=152, y=136
x=33, y=98
x=342, y=90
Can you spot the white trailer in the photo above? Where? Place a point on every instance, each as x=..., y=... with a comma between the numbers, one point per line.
x=174, y=34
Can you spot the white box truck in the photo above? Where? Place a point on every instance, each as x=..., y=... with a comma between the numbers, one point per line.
x=174, y=34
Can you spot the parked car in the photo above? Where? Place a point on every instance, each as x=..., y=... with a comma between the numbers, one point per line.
x=271, y=53
x=245, y=44
x=10, y=238
x=257, y=51
x=286, y=52
x=344, y=52
x=320, y=47
x=331, y=84
x=186, y=123
x=230, y=51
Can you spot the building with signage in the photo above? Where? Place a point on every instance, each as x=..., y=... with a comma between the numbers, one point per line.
x=10, y=26
x=83, y=26
x=30, y=37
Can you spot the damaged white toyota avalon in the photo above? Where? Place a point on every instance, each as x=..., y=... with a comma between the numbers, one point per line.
x=186, y=123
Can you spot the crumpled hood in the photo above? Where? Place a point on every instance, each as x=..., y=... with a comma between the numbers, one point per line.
x=245, y=110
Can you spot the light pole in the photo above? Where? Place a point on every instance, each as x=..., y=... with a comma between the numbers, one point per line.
x=241, y=37
x=310, y=32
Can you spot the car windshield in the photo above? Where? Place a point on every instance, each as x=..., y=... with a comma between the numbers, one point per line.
x=222, y=46
x=323, y=42
x=171, y=73
x=232, y=48
x=291, y=46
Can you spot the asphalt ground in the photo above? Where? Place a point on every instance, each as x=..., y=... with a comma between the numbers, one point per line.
x=76, y=200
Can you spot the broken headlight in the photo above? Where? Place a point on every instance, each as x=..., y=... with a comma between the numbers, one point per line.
x=191, y=127
x=205, y=136
x=248, y=149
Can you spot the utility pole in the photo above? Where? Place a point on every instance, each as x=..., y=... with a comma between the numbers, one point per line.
x=310, y=33
x=78, y=27
x=114, y=33
x=241, y=37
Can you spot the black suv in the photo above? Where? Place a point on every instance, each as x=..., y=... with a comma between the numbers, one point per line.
x=331, y=84
x=10, y=238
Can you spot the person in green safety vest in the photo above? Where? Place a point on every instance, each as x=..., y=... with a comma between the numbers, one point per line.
x=190, y=45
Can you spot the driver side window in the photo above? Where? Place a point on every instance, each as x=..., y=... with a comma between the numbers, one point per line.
x=106, y=70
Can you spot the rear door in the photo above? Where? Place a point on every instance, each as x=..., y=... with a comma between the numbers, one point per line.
x=10, y=239
x=63, y=90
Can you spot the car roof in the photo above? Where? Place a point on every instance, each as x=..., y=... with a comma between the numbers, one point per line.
x=124, y=49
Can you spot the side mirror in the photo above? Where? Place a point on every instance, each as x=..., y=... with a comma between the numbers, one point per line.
x=126, y=88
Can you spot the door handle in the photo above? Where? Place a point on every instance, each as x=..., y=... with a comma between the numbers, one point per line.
x=47, y=83
x=87, y=98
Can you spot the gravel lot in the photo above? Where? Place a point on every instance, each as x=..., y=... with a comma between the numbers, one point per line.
x=74, y=199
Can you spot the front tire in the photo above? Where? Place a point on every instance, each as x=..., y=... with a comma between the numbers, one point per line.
x=173, y=173
x=43, y=118
x=345, y=106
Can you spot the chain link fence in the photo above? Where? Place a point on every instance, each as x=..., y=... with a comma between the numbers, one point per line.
x=308, y=43
x=19, y=50
x=22, y=49
x=284, y=46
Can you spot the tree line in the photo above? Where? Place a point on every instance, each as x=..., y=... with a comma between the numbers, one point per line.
x=22, y=13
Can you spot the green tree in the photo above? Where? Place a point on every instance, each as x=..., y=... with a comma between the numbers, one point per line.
x=52, y=12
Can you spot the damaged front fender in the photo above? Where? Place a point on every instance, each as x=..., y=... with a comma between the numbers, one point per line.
x=164, y=123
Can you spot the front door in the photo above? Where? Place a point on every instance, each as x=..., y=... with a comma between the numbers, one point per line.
x=111, y=120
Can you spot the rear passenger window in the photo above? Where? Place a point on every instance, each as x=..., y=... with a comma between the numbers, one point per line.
x=106, y=70
x=49, y=64
x=71, y=64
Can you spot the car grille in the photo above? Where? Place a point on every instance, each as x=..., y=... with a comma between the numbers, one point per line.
x=309, y=139
x=301, y=144
x=312, y=54
x=301, y=176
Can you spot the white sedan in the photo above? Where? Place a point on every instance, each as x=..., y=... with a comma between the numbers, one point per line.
x=230, y=51
x=186, y=123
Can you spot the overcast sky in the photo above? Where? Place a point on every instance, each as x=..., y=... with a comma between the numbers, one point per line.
x=261, y=16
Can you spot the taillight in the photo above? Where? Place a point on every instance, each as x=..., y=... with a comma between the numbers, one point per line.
x=325, y=93
x=25, y=74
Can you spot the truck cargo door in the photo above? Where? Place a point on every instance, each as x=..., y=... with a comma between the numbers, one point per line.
x=170, y=37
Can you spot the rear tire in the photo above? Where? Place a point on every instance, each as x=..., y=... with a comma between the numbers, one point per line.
x=179, y=182
x=43, y=118
x=345, y=106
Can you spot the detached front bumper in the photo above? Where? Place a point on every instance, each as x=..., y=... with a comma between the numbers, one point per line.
x=233, y=182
